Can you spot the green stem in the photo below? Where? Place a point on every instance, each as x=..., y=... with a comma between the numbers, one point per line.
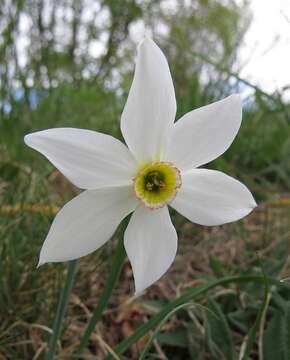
x=61, y=310
x=186, y=297
x=117, y=263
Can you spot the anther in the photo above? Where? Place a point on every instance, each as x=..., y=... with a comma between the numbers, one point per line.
x=157, y=184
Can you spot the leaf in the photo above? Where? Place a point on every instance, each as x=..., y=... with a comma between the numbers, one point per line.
x=153, y=306
x=272, y=348
x=189, y=295
x=176, y=338
x=241, y=319
x=146, y=349
x=276, y=340
x=262, y=312
x=285, y=335
x=279, y=301
x=219, y=336
x=195, y=353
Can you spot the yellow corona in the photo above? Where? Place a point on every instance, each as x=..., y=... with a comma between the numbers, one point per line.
x=156, y=184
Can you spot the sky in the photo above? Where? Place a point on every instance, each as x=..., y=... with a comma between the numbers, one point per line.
x=266, y=52
x=264, y=57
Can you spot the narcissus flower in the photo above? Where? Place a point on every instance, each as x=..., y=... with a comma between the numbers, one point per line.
x=158, y=167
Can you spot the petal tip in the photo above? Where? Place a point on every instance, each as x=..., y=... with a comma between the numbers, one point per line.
x=146, y=42
x=254, y=204
x=40, y=262
x=250, y=207
x=27, y=139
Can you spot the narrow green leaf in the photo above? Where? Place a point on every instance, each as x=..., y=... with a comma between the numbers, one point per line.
x=178, y=338
x=276, y=340
x=61, y=310
x=272, y=339
x=219, y=329
x=285, y=333
x=253, y=331
x=241, y=319
x=155, y=333
x=189, y=295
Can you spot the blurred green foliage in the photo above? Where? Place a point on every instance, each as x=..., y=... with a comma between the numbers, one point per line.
x=50, y=74
x=70, y=63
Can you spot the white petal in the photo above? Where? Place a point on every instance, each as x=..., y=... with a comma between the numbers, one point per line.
x=86, y=222
x=202, y=135
x=209, y=197
x=150, y=110
x=87, y=158
x=151, y=243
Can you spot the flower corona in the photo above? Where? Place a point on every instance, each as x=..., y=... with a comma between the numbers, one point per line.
x=156, y=184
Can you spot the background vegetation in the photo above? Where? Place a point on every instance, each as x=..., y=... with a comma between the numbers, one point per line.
x=70, y=63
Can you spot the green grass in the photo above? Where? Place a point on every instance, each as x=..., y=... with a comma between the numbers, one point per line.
x=217, y=326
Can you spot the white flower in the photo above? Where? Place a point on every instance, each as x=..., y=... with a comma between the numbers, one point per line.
x=159, y=167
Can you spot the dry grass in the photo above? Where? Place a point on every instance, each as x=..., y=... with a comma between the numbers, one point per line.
x=25, y=323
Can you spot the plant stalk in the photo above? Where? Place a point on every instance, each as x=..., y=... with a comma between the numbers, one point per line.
x=61, y=310
x=117, y=264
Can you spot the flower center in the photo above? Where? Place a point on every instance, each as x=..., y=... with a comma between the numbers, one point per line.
x=156, y=184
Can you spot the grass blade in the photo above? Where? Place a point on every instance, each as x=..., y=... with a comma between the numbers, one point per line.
x=61, y=310
x=156, y=331
x=253, y=331
x=189, y=295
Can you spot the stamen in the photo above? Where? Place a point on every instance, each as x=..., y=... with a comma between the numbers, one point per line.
x=157, y=184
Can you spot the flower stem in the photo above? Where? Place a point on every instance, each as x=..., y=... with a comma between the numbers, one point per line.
x=61, y=310
x=117, y=263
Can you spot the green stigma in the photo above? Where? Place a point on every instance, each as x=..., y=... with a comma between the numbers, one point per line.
x=157, y=184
